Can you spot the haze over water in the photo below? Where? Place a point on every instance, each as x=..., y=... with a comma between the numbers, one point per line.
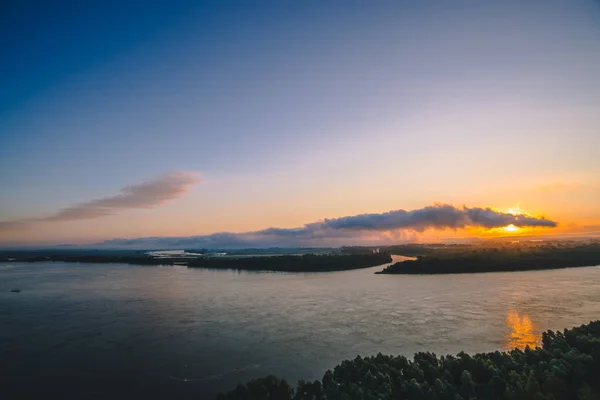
x=188, y=333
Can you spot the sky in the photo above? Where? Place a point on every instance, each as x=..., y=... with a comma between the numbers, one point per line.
x=171, y=120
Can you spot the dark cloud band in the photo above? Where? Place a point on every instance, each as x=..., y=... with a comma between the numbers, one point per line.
x=436, y=217
x=348, y=228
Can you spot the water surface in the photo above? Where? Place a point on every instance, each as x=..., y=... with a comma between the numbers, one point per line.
x=118, y=331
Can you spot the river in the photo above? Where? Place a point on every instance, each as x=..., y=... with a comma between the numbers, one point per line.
x=121, y=331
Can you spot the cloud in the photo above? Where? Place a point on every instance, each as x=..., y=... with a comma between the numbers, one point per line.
x=348, y=229
x=489, y=218
x=145, y=195
x=436, y=217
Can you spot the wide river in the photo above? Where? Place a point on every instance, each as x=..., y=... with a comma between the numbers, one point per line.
x=120, y=331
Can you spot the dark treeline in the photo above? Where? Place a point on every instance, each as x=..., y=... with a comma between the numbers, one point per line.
x=304, y=263
x=504, y=258
x=566, y=367
x=285, y=263
x=84, y=256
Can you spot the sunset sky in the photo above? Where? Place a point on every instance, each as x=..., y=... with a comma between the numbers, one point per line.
x=194, y=118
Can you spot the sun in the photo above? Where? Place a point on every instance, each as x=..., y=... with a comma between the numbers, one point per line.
x=515, y=211
x=511, y=228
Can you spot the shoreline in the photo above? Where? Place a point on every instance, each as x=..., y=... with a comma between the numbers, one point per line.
x=280, y=263
x=483, y=271
x=499, y=259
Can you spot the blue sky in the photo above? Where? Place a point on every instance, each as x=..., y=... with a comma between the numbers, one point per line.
x=295, y=111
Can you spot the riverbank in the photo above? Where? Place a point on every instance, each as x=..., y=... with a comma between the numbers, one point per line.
x=283, y=263
x=500, y=259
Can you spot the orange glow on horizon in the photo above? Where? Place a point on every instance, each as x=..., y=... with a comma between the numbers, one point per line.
x=511, y=228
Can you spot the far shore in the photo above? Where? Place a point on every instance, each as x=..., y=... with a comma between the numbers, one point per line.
x=412, y=259
x=283, y=263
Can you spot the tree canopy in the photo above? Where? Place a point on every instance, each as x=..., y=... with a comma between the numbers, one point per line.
x=284, y=263
x=565, y=367
x=517, y=257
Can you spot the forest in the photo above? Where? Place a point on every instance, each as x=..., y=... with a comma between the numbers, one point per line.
x=495, y=258
x=565, y=367
x=299, y=263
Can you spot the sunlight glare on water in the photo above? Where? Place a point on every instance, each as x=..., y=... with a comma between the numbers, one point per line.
x=522, y=332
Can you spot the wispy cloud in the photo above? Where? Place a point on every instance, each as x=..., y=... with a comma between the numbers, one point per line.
x=348, y=229
x=145, y=195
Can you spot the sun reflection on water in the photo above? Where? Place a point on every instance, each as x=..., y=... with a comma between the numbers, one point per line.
x=522, y=331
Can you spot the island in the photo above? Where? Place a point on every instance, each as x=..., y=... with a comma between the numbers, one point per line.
x=250, y=262
x=497, y=257
x=295, y=263
x=566, y=366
